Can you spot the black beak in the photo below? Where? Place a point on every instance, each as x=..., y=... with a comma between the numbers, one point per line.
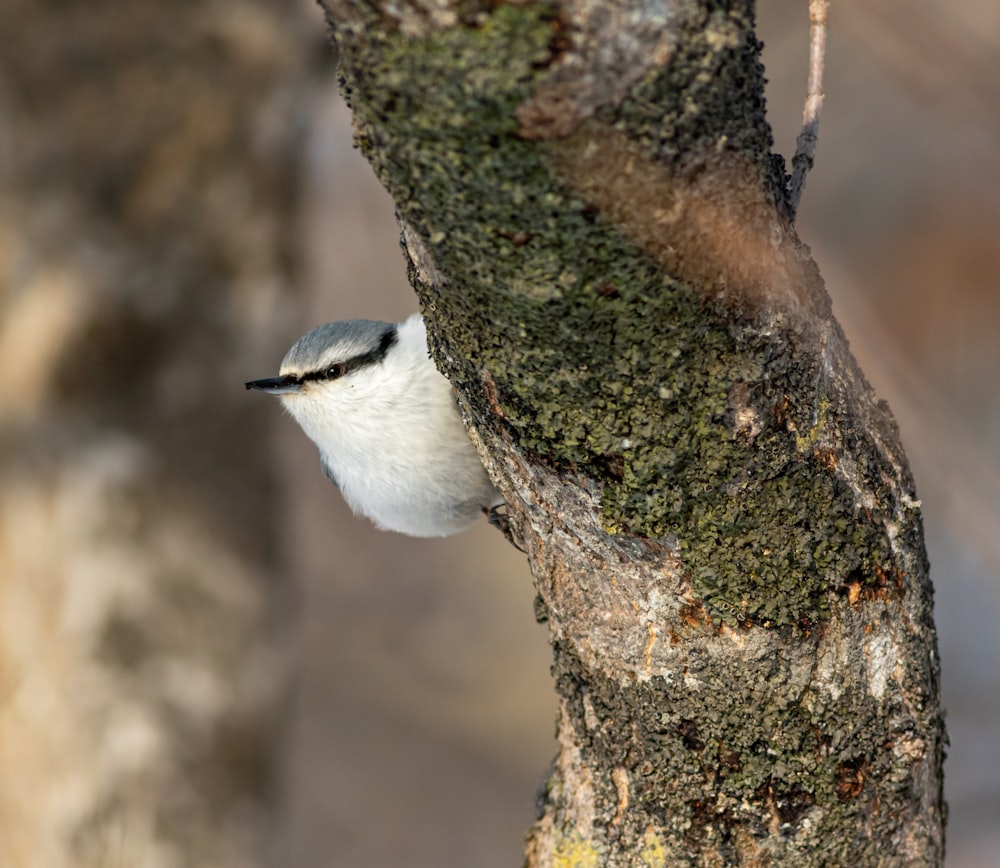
x=276, y=385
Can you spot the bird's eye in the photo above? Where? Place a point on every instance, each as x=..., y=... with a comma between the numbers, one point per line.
x=335, y=371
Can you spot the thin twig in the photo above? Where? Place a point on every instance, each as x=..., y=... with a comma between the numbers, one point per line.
x=805, y=144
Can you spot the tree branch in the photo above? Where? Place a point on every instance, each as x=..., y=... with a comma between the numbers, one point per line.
x=805, y=144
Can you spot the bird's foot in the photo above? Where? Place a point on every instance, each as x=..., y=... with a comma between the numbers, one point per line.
x=501, y=521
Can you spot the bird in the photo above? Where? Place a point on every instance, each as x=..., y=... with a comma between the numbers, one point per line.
x=387, y=425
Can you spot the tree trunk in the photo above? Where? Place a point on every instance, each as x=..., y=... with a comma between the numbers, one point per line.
x=148, y=181
x=723, y=530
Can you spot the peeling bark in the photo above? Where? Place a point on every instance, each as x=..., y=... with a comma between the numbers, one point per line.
x=718, y=514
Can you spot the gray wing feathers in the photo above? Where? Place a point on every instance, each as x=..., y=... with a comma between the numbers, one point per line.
x=328, y=471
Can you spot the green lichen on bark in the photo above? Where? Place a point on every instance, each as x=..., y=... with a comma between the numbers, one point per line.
x=714, y=88
x=604, y=362
x=787, y=770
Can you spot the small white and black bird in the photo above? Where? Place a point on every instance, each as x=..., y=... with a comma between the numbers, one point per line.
x=387, y=425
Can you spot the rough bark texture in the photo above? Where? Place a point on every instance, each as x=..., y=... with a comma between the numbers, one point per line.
x=148, y=174
x=717, y=511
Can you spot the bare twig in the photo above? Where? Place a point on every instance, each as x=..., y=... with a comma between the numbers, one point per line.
x=805, y=144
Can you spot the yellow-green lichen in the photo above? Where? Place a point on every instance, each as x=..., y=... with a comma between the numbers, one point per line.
x=603, y=362
x=653, y=854
x=575, y=852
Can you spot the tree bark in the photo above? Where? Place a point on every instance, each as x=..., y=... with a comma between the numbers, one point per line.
x=147, y=189
x=719, y=517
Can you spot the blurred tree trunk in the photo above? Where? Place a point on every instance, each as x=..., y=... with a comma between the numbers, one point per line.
x=719, y=516
x=149, y=171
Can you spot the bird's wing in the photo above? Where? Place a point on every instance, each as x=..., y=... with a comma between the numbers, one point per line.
x=328, y=471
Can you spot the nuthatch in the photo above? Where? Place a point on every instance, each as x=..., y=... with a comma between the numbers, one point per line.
x=387, y=424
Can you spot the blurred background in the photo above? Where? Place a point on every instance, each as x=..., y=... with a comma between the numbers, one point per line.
x=181, y=589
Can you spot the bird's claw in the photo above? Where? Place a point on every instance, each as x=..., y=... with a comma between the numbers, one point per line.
x=501, y=521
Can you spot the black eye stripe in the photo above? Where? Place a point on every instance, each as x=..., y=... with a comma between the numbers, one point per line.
x=340, y=369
